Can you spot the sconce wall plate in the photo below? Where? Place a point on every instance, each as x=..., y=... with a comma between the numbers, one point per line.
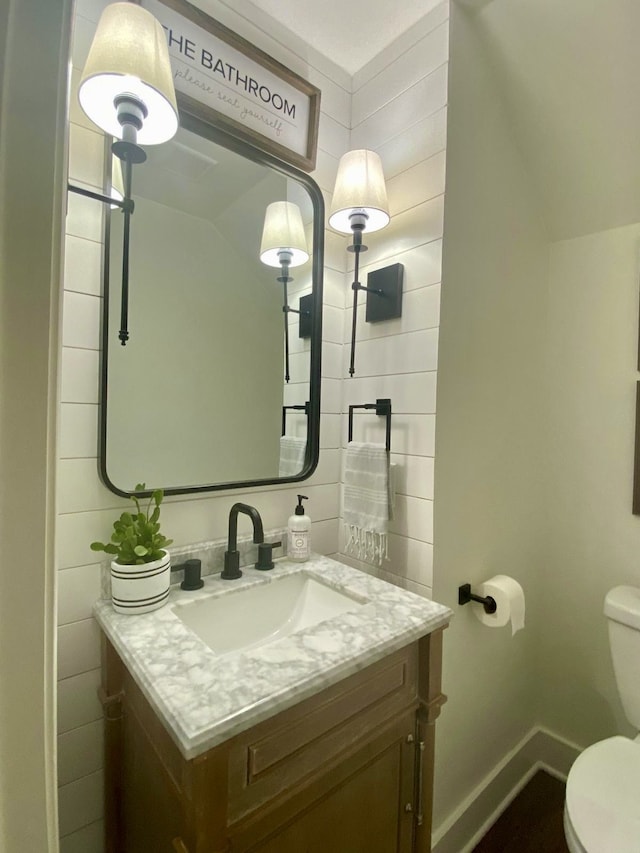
x=305, y=307
x=384, y=293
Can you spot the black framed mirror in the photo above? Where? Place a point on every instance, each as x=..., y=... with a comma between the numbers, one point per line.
x=197, y=400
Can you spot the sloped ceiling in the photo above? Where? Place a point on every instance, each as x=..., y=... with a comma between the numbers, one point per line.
x=569, y=71
x=348, y=33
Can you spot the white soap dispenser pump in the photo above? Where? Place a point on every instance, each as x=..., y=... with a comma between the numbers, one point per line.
x=299, y=533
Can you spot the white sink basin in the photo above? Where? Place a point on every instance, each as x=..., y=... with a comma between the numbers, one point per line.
x=261, y=614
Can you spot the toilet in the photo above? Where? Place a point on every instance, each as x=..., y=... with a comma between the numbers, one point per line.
x=602, y=806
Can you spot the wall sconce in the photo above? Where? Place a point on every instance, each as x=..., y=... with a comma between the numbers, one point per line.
x=284, y=245
x=127, y=90
x=360, y=204
x=117, y=182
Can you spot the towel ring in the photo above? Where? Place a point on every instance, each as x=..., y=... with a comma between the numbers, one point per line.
x=304, y=408
x=383, y=408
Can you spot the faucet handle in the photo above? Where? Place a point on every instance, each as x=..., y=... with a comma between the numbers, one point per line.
x=192, y=575
x=265, y=555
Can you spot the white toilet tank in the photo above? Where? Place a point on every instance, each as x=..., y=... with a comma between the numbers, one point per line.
x=622, y=608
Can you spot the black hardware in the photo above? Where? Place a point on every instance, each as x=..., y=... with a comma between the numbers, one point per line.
x=192, y=575
x=196, y=125
x=465, y=596
x=304, y=326
x=383, y=408
x=304, y=408
x=124, y=204
x=304, y=311
x=384, y=294
x=231, y=569
x=419, y=796
x=265, y=555
x=386, y=289
x=356, y=247
x=285, y=278
x=129, y=153
x=123, y=334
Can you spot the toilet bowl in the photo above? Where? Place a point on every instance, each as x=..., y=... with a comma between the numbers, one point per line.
x=602, y=806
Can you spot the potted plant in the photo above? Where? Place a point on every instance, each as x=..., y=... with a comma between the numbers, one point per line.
x=141, y=570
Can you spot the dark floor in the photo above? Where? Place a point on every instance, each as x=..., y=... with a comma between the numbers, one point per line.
x=533, y=821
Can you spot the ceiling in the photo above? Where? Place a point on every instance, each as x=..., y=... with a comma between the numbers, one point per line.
x=348, y=33
x=569, y=74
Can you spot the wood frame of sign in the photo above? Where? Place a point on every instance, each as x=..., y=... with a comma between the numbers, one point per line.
x=225, y=80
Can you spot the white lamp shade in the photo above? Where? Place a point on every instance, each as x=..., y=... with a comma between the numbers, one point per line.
x=129, y=55
x=359, y=188
x=283, y=231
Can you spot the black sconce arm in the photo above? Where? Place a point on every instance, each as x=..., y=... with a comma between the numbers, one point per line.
x=356, y=247
x=123, y=204
x=290, y=310
x=387, y=301
x=285, y=278
x=123, y=334
x=129, y=153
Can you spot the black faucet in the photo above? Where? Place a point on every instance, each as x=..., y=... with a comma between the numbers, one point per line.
x=231, y=569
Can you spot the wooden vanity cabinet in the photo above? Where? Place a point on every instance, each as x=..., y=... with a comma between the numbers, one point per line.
x=349, y=770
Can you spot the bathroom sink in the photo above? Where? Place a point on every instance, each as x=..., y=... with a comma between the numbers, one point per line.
x=260, y=614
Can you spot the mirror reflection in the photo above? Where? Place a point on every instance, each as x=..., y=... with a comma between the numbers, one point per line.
x=218, y=385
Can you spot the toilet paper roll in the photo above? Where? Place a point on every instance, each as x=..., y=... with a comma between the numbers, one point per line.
x=509, y=598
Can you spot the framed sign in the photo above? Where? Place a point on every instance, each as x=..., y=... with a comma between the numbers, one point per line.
x=224, y=79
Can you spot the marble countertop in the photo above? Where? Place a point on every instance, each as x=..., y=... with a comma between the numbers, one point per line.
x=205, y=698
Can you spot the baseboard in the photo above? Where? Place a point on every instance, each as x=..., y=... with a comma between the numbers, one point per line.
x=555, y=754
x=476, y=814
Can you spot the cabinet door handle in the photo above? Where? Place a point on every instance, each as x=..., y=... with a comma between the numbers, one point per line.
x=179, y=846
x=419, y=812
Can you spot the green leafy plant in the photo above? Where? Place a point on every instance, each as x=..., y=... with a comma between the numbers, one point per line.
x=136, y=536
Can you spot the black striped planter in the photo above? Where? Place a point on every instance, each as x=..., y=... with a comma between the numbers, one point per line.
x=141, y=588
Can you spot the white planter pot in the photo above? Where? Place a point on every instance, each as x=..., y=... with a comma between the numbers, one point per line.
x=141, y=588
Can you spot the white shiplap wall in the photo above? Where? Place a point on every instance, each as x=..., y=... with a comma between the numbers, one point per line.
x=398, y=107
x=399, y=110
x=85, y=508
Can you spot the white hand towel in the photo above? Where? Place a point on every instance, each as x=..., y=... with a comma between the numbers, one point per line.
x=292, y=452
x=366, y=500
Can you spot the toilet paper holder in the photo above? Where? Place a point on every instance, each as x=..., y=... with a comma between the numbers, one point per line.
x=465, y=596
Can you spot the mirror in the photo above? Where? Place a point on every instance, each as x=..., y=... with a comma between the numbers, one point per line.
x=197, y=399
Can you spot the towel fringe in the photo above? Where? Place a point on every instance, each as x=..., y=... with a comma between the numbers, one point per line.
x=367, y=545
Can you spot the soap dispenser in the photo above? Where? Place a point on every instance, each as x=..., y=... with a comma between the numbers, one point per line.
x=299, y=533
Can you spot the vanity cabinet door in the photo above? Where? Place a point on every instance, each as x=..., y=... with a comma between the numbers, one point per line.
x=151, y=807
x=366, y=805
x=336, y=773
